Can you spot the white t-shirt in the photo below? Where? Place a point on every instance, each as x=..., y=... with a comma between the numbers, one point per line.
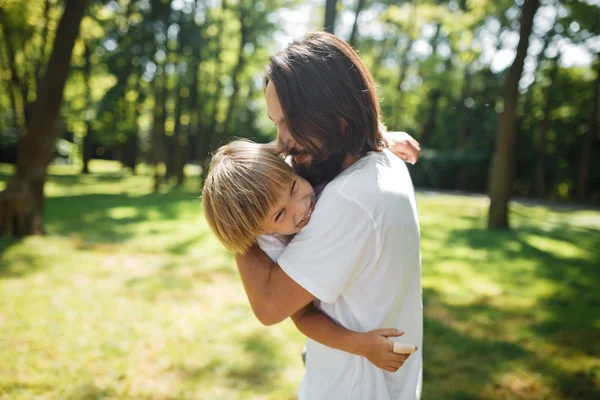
x=360, y=255
x=273, y=244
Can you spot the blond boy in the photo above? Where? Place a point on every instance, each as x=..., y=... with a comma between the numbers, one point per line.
x=252, y=195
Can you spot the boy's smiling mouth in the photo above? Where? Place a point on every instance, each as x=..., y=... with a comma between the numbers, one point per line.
x=307, y=213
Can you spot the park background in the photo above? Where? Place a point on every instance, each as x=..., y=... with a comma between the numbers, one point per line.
x=112, y=286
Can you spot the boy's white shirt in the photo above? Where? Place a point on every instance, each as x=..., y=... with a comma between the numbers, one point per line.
x=360, y=256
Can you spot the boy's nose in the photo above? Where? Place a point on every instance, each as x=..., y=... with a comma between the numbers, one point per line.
x=299, y=212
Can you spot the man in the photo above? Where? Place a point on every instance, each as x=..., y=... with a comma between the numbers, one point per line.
x=359, y=254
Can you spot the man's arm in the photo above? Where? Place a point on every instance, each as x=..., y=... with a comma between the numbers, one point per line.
x=273, y=295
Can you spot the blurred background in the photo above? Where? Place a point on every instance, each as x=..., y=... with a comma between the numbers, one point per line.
x=111, y=284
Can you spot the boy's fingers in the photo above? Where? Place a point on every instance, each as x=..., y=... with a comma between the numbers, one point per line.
x=399, y=357
x=396, y=365
x=387, y=332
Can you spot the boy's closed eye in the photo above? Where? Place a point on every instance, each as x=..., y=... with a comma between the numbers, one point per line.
x=280, y=213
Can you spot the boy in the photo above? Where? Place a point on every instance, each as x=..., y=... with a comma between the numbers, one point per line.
x=252, y=195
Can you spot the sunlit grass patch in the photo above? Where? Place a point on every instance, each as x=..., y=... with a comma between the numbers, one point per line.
x=130, y=296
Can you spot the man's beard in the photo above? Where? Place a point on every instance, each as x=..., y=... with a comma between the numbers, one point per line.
x=321, y=171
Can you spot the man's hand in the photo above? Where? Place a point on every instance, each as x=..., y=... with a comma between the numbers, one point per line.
x=376, y=348
x=404, y=146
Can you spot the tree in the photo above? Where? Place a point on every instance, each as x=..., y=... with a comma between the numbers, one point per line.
x=22, y=203
x=353, y=35
x=330, y=12
x=540, y=179
x=588, y=141
x=87, y=146
x=502, y=163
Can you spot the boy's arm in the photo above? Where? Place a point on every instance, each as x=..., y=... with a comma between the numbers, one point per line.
x=403, y=145
x=372, y=345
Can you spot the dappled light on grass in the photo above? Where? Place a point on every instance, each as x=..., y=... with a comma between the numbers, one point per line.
x=130, y=296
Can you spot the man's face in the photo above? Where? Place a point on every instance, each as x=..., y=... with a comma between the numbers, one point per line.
x=303, y=161
x=285, y=141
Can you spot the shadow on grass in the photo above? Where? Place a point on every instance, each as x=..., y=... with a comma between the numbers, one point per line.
x=255, y=368
x=563, y=256
x=7, y=270
x=111, y=218
x=475, y=363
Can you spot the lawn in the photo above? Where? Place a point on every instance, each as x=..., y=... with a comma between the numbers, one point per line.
x=129, y=296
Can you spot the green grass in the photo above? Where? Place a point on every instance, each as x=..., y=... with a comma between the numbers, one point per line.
x=129, y=296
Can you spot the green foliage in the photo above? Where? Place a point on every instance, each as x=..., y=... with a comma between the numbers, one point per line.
x=210, y=76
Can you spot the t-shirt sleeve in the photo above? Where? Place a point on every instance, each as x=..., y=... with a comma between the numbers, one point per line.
x=337, y=244
x=271, y=245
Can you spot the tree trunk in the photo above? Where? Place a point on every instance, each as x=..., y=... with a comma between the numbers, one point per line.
x=463, y=130
x=540, y=180
x=502, y=164
x=386, y=45
x=588, y=141
x=526, y=112
x=239, y=67
x=15, y=85
x=330, y=12
x=353, y=35
x=158, y=128
x=22, y=203
x=404, y=70
x=429, y=126
x=87, y=149
x=179, y=139
x=207, y=137
x=401, y=78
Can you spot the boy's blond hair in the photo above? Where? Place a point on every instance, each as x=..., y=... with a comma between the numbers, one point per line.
x=244, y=181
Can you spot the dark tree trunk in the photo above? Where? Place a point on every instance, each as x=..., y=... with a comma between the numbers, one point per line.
x=179, y=139
x=588, y=140
x=87, y=149
x=526, y=112
x=501, y=176
x=401, y=78
x=354, y=33
x=385, y=50
x=540, y=180
x=22, y=203
x=15, y=87
x=429, y=126
x=330, y=12
x=463, y=130
x=403, y=71
x=158, y=128
x=239, y=67
x=129, y=152
x=207, y=138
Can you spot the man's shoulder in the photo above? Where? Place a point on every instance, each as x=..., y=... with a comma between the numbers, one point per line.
x=371, y=176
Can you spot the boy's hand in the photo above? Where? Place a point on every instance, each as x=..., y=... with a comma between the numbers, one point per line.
x=404, y=146
x=376, y=348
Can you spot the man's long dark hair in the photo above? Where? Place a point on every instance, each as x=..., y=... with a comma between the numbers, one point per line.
x=328, y=94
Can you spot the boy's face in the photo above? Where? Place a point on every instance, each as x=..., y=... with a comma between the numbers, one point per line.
x=292, y=210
